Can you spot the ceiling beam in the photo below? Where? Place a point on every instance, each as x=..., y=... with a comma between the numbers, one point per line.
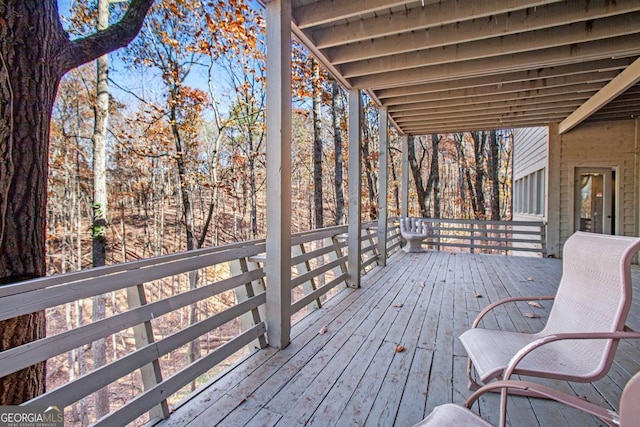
x=525, y=20
x=486, y=94
x=417, y=18
x=625, y=46
x=532, y=104
x=485, y=124
x=504, y=114
x=326, y=11
x=578, y=33
x=626, y=79
x=554, y=76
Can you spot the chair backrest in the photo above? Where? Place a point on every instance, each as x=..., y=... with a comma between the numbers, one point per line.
x=629, y=408
x=413, y=225
x=594, y=295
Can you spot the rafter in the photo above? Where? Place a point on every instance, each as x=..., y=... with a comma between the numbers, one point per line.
x=418, y=18
x=515, y=22
x=578, y=33
x=532, y=104
x=529, y=79
x=326, y=11
x=506, y=113
x=625, y=46
x=485, y=94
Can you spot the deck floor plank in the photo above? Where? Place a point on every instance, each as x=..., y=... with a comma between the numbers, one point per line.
x=353, y=375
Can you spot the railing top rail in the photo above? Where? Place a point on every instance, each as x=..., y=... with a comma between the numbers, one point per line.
x=76, y=276
x=486, y=222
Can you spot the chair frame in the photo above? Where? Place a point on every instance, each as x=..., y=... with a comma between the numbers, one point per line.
x=531, y=389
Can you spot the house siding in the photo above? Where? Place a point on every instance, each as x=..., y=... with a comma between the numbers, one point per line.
x=600, y=145
x=530, y=155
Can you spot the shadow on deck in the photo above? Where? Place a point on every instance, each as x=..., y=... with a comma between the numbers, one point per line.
x=354, y=373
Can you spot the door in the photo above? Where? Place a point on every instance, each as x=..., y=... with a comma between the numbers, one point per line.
x=595, y=200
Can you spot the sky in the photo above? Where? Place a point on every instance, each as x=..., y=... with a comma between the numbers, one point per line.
x=143, y=81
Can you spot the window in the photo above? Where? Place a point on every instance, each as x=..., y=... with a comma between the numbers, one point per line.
x=529, y=197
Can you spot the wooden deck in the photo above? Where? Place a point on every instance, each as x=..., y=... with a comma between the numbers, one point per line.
x=353, y=373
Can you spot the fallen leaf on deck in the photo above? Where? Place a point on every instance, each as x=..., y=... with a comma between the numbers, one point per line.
x=399, y=349
x=323, y=330
x=397, y=305
x=532, y=315
x=534, y=304
x=478, y=296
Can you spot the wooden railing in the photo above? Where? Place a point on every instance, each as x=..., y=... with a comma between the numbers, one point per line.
x=214, y=289
x=503, y=237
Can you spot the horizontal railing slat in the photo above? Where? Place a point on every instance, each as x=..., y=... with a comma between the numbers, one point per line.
x=297, y=281
x=312, y=254
x=75, y=276
x=307, y=299
x=31, y=302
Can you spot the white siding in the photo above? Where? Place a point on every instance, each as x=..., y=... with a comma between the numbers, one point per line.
x=529, y=150
x=530, y=158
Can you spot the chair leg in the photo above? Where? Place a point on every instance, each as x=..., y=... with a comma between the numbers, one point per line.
x=473, y=384
x=503, y=408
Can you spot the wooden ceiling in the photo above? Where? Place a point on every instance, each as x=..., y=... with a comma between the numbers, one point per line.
x=455, y=65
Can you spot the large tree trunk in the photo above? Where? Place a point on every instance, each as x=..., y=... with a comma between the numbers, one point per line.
x=34, y=54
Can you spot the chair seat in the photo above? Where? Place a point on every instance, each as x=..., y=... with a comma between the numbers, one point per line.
x=452, y=415
x=491, y=351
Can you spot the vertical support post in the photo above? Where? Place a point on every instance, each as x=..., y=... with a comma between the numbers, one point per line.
x=404, y=187
x=553, y=191
x=278, y=263
x=382, y=185
x=143, y=336
x=355, y=180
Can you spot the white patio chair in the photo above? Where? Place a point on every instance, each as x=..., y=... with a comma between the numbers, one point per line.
x=414, y=231
x=452, y=415
x=587, y=320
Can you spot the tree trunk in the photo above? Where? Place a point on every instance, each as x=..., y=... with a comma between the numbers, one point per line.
x=370, y=174
x=433, y=184
x=494, y=165
x=34, y=54
x=99, y=207
x=337, y=143
x=479, y=141
x=317, y=149
x=28, y=86
x=417, y=177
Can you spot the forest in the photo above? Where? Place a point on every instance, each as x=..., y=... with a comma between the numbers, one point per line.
x=161, y=148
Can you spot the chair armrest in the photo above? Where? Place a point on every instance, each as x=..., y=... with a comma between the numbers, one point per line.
x=511, y=366
x=606, y=415
x=491, y=306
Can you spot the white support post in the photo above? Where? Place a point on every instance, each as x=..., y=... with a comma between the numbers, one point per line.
x=278, y=115
x=404, y=187
x=382, y=185
x=355, y=180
